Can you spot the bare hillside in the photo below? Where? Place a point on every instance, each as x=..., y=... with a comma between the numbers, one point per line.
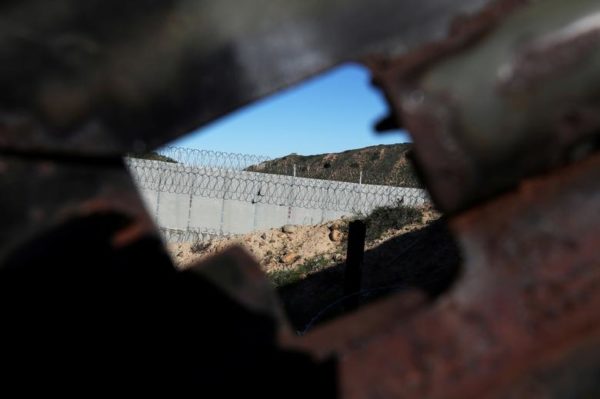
x=382, y=164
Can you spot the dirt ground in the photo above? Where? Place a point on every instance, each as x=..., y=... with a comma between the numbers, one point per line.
x=306, y=263
x=289, y=246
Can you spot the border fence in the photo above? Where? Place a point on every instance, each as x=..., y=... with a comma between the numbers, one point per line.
x=196, y=194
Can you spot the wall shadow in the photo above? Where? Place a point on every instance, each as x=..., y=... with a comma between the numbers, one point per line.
x=427, y=259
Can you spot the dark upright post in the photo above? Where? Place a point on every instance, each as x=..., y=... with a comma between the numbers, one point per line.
x=354, y=262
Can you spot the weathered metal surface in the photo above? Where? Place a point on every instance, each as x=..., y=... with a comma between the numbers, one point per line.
x=511, y=326
x=100, y=77
x=508, y=90
x=237, y=274
x=486, y=110
x=79, y=312
x=41, y=193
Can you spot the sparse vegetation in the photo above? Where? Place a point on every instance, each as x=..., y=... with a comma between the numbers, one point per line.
x=385, y=218
x=199, y=246
x=283, y=277
x=380, y=221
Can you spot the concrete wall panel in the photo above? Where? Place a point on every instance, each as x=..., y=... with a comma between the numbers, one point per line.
x=206, y=213
x=238, y=217
x=173, y=210
x=306, y=216
x=269, y=216
x=149, y=197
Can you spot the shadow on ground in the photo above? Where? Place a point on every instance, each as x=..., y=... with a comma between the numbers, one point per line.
x=427, y=259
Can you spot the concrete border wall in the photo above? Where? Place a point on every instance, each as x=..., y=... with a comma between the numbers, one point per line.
x=193, y=203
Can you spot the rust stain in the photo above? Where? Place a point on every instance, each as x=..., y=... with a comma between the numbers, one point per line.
x=46, y=169
x=465, y=30
x=131, y=234
x=551, y=56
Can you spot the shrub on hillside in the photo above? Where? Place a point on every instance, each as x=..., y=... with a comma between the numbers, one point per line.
x=384, y=218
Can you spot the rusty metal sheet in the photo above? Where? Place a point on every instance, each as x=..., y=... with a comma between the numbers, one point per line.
x=79, y=312
x=106, y=77
x=238, y=275
x=81, y=83
x=511, y=326
x=486, y=110
x=39, y=194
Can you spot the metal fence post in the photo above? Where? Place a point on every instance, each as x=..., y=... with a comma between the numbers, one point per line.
x=227, y=180
x=158, y=191
x=354, y=263
x=190, y=206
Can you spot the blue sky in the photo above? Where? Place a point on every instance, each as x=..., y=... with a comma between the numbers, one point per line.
x=332, y=112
